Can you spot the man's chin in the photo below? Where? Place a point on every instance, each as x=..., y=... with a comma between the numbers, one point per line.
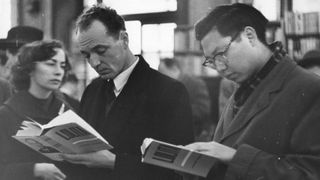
x=106, y=76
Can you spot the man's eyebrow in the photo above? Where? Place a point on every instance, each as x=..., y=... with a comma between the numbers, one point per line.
x=218, y=50
x=100, y=46
x=84, y=52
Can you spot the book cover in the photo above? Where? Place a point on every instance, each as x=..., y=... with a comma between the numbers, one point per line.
x=176, y=157
x=67, y=133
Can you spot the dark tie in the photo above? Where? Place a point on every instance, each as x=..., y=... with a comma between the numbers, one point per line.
x=110, y=96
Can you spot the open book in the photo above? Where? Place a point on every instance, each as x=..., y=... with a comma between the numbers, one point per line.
x=66, y=133
x=175, y=157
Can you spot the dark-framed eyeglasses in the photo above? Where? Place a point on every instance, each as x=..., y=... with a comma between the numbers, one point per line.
x=219, y=59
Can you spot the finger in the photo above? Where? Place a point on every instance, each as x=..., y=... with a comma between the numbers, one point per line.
x=71, y=157
x=58, y=178
x=74, y=162
x=60, y=175
x=195, y=146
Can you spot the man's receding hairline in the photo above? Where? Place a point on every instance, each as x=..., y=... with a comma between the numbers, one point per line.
x=87, y=27
x=80, y=29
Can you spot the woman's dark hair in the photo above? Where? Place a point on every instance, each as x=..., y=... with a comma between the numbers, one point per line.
x=28, y=55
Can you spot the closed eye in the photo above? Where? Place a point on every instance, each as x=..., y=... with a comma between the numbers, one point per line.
x=100, y=50
x=50, y=62
x=53, y=62
x=218, y=54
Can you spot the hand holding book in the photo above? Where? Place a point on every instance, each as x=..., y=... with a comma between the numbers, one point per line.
x=175, y=157
x=197, y=158
x=214, y=149
x=67, y=133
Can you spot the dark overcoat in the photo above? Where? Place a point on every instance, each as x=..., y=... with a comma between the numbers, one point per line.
x=150, y=105
x=276, y=133
x=16, y=159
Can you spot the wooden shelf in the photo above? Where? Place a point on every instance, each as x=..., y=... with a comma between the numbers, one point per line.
x=299, y=36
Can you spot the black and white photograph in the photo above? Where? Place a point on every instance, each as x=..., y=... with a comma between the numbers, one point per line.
x=160, y=90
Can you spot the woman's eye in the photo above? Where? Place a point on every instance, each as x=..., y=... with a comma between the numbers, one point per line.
x=50, y=63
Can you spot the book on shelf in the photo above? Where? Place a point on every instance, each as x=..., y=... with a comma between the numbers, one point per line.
x=66, y=133
x=298, y=47
x=302, y=23
x=299, y=23
x=176, y=157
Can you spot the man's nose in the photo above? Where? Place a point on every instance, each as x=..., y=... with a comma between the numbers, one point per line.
x=94, y=60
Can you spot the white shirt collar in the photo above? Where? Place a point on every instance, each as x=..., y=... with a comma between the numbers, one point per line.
x=123, y=77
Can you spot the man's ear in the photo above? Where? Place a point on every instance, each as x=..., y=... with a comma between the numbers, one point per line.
x=125, y=38
x=251, y=34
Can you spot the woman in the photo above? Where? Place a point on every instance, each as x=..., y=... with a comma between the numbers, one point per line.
x=37, y=76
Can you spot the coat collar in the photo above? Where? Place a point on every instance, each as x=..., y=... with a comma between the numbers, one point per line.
x=137, y=80
x=131, y=97
x=258, y=101
x=27, y=106
x=134, y=87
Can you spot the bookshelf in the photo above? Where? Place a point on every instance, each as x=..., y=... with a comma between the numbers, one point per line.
x=302, y=32
x=187, y=51
x=298, y=31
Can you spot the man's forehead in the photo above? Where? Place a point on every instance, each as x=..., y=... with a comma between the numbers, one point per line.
x=88, y=41
x=211, y=41
x=95, y=34
x=95, y=26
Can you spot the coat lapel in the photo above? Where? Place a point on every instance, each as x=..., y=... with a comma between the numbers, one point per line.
x=129, y=98
x=130, y=95
x=259, y=99
x=226, y=116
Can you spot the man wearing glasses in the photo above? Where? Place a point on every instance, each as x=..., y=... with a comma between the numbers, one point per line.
x=270, y=127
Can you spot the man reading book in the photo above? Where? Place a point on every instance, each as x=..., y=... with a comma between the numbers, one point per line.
x=269, y=128
x=128, y=102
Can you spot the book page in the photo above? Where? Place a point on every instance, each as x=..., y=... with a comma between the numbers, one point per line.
x=29, y=128
x=76, y=139
x=71, y=117
x=67, y=133
x=42, y=145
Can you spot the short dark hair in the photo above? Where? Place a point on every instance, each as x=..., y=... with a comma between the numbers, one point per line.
x=28, y=55
x=106, y=15
x=231, y=19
